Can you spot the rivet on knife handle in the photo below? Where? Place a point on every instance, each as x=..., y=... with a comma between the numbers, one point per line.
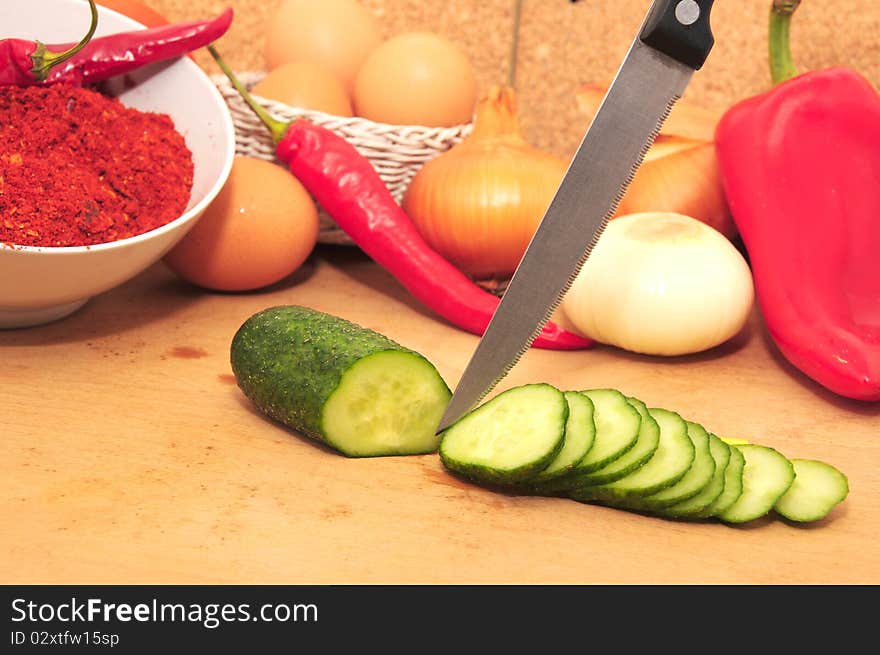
x=680, y=29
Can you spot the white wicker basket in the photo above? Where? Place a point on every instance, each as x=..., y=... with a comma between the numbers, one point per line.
x=396, y=151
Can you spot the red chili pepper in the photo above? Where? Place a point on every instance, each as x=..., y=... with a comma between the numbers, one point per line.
x=106, y=56
x=350, y=190
x=801, y=169
x=24, y=62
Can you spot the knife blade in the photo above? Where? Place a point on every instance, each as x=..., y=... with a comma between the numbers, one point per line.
x=674, y=41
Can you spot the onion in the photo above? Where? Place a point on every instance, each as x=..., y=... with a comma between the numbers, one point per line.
x=681, y=176
x=479, y=203
x=680, y=173
x=660, y=283
x=686, y=120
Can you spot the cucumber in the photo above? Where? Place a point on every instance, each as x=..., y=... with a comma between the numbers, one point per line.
x=580, y=432
x=692, y=507
x=733, y=486
x=617, y=425
x=695, y=480
x=669, y=463
x=351, y=388
x=817, y=488
x=617, y=429
x=509, y=438
x=767, y=475
x=645, y=446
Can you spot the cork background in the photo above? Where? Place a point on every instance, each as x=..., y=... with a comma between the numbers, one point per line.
x=562, y=44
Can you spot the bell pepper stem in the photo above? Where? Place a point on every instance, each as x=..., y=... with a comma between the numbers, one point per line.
x=782, y=66
x=276, y=127
x=44, y=59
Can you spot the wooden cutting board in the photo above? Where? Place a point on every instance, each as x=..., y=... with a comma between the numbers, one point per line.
x=130, y=456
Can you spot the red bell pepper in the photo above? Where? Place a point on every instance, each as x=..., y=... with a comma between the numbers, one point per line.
x=801, y=169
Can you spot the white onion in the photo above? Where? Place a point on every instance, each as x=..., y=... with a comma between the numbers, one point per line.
x=661, y=284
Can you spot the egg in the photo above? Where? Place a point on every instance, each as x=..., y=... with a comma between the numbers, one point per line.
x=306, y=85
x=338, y=34
x=260, y=228
x=136, y=10
x=416, y=78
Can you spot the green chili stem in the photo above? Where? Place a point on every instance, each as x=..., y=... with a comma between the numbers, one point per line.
x=44, y=59
x=781, y=62
x=276, y=127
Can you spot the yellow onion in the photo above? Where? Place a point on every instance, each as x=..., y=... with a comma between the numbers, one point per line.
x=680, y=173
x=682, y=176
x=479, y=203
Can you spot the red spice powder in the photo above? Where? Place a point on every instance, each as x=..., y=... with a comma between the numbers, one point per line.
x=80, y=168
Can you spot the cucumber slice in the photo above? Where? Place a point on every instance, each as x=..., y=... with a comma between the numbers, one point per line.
x=349, y=387
x=508, y=439
x=580, y=432
x=816, y=489
x=733, y=486
x=697, y=477
x=669, y=463
x=767, y=475
x=617, y=424
x=690, y=507
x=617, y=429
x=644, y=448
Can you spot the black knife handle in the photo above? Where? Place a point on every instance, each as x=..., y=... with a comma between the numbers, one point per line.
x=680, y=29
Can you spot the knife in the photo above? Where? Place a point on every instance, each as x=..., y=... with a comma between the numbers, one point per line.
x=674, y=41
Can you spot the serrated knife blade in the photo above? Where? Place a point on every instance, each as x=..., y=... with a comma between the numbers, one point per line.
x=673, y=42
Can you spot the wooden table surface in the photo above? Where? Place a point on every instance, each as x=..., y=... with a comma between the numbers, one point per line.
x=130, y=456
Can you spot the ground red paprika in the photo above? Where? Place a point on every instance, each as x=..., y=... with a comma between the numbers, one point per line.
x=80, y=168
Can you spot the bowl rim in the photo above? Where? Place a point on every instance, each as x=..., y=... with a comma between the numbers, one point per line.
x=189, y=214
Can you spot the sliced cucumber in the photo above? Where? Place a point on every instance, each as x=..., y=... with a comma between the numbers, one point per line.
x=669, y=463
x=645, y=446
x=767, y=475
x=617, y=425
x=580, y=432
x=347, y=386
x=816, y=489
x=733, y=486
x=697, y=477
x=690, y=507
x=509, y=438
x=617, y=429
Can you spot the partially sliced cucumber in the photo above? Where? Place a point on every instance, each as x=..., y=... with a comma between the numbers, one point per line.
x=580, y=432
x=816, y=489
x=509, y=438
x=733, y=486
x=645, y=446
x=690, y=507
x=383, y=402
x=669, y=463
x=767, y=475
x=697, y=477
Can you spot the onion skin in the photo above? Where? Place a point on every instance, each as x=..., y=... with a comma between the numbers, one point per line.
x=684, y=178
x=479, y=203
x=686, y=120
x=681, y=172
x=661, y=284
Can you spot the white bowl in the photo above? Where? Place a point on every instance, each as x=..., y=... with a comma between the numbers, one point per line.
x=39, y=284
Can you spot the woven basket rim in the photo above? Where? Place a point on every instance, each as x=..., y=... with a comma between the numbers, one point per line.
x=250, y=77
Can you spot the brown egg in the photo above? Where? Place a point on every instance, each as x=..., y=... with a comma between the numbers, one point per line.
x=259, y=229
x=338, y=34
x=416, y=78
x=307, y=85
